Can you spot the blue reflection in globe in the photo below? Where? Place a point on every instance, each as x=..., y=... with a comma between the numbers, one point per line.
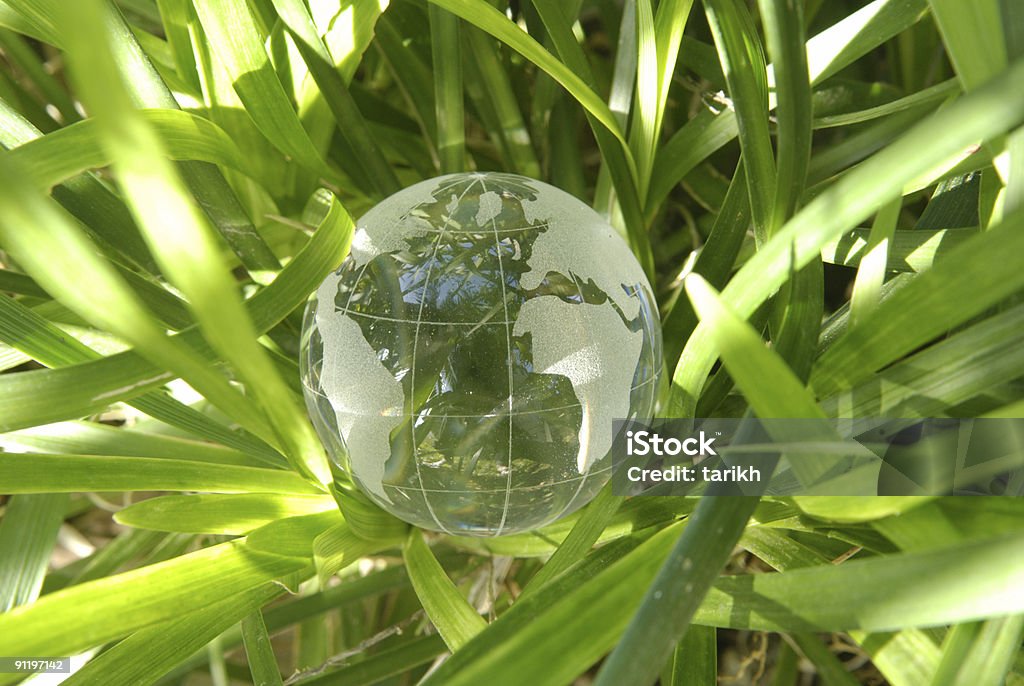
x=465, y=363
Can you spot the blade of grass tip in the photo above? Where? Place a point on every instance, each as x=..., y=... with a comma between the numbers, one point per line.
x=456, y=620
x=446, y=55
x=749, y=361
x=768, y=384
x=335, y=92
x=658, y=39
x=984, y=114
x=28, y=532
x=262, y=661
x=739, y=50
x=867, y=285
x=179, y=238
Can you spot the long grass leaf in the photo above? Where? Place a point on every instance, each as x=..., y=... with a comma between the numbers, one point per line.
x=448, y=609
x=984, y=114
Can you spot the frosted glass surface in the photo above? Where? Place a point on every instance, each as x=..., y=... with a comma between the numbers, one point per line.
x=466, y=361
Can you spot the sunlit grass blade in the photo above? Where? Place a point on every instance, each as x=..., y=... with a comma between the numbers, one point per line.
x=335, y=92
x=446, y=55
x=28, y=532
x=149, y=653
x=861, y=351
x=748, y=360
x=983, y=114
x=739, y=50
x=142, y=597
x=258, y=649
x=26, y=473
x=456, y=620
x=234, y=36
x=183, y=244
x=40, y=224
x=218, y=514
x=43, y=396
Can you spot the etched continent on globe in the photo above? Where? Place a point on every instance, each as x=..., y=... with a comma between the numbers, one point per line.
x=465, y=363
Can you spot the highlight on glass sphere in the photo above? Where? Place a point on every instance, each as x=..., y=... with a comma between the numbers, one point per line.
x=466, y=361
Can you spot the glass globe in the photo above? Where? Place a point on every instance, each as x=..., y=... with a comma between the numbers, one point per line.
x=465, y=363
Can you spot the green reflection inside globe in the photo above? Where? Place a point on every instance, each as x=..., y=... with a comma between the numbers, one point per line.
x=465, y=363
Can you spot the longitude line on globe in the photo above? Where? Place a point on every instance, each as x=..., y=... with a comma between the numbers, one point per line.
x=508, y=342
x=415, y=343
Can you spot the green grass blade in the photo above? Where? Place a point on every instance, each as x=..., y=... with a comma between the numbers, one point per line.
x=28, y=532
x=59, y=156
x=487, y=18
x=972, y=33
x=91, y=438
x=953, y=371
x=513, y=133
x=694, y=661
x=181, y=240
x=218, y=514
x=151, y=652
x=674, y=595
x=742, y=58
x=26, y=473
x=43, y=396
x=784, y=31
x=233, y=34
x=890, y=330
x=48, y=243
x=120, y=604
x=867, y=287
x=456, y=620
x=446, y=56
x=767, y=383
x=584, y=534
x=335, y=92
x=262, y=661
x=983, y=114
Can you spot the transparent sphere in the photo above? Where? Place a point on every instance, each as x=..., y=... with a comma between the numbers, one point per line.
x=465, y=363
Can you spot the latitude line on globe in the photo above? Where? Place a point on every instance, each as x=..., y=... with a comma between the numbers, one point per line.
x=415, y=344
